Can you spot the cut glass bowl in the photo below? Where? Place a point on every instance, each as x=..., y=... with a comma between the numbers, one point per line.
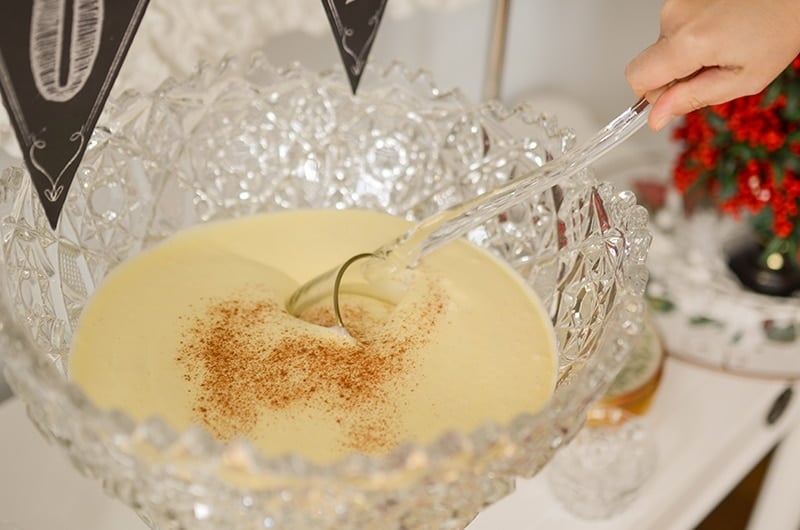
x=243, y=138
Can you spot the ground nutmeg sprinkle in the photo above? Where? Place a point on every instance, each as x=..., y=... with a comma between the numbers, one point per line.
x=241, y=373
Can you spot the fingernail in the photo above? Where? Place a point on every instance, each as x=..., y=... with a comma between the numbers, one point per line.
x=659, y=122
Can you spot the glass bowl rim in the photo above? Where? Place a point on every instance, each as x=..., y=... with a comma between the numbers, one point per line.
x=200, y=451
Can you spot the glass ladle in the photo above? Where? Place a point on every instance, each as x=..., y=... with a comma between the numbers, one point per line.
x=455, y=221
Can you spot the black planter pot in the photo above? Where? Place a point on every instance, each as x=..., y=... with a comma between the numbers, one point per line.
x=746, y=262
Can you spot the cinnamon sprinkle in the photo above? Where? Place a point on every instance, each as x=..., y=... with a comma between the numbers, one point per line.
x=241, y=374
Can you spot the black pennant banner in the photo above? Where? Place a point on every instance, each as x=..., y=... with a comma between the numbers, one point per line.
x=58, y=61
x=354, y=24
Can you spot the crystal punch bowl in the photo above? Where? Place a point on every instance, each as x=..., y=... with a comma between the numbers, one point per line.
x=242, y=138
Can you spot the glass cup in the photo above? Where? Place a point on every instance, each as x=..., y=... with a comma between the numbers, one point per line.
x=600, y=472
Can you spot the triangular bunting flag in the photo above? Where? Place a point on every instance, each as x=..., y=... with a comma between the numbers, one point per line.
x=354, y=24
x=58, y=61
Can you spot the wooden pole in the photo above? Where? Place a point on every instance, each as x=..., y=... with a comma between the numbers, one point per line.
x=497, y=50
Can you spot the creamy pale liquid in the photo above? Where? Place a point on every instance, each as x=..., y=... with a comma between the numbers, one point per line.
x=195, y=331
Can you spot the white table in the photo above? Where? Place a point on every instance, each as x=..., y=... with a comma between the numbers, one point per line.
x=710, y=430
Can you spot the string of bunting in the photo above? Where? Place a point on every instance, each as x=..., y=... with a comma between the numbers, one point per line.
x=60, y=58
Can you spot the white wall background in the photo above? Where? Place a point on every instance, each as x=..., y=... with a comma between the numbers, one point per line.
x=579, y=47
x=568, y=56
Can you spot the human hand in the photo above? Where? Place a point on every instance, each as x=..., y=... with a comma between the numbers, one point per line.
x=713, y=51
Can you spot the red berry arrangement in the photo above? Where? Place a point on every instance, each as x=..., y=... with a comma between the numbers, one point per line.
x=743, y=157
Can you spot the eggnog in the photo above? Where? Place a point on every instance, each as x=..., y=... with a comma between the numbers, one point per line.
x=195, y=330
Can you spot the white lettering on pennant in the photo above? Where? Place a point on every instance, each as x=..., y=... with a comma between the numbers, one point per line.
x=64, y=46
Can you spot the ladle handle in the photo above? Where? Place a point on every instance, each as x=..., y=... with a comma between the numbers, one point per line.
x=457, y=220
